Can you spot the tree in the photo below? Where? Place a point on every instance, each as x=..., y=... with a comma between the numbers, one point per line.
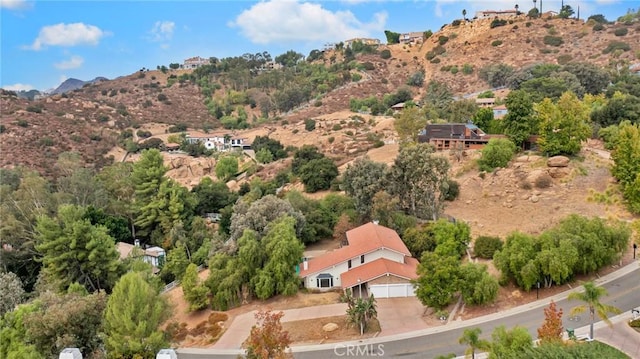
x=563, y=126
x=464, y=14
x=134, y=312
x=211, y=196
x=361, y=181
x=519, y=123
x=71, y=320
x=518, y=251
x=304, y=155
x=419, y=239
x=482, y=118
x=477, y=285
x=12, y=292
x=392, y=37
x=471, y=337
x=551, y=329
x=438, y=97
x=284, y=251
x=462, y=111
x=260, y=213
x=289, y=58
x=318, y=174
x=226, y=167
x=360, y=311
x=565, y=12
x=437, y=279
x=14, y=342
x=417, y=177
x=509, y=343
x=497, y=153
x=626, y=167
x=74, y=250
x=194, y=292
x=591, y=298
x=593, y=78
x=409, y=123
x=268, y=340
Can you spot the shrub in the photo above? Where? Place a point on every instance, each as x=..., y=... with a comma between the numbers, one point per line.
x=456, y=22
x=435, y=61
x=451, y=191
x=46, y=141
x=417, y=79
x=442, y=40
x=598, y=27
x=528, y=24
x=331, y=139
x=438, y=50
x=621, y=31
x=486, y=246
x=616, y=45
x=143, y=134
x=104, y=92
x=552, y=40
x=309, y=124
x=162, y=97
x=180, y=127
x=23, y=123
x=35, y=108
x=467, y=69
x=336, y=127
x=497, y=153
x=2, y=128
x=369, y=66
x=498, y=22
x=496, y=43
x=564, y=59
x=543, y=181
x=294, y=131
x=113, y=93
x=356, y=77
x=454, y=69
x=385, y=54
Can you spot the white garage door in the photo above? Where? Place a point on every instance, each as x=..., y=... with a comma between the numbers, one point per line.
x=392, y=290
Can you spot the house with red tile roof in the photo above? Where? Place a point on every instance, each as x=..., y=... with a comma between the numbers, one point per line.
x=375, y=261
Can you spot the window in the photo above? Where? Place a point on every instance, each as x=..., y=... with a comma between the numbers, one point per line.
x=362, y=259
x=349, y=264
x=324, y=281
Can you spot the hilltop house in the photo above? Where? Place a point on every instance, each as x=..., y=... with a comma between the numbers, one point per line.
x=486, y=102
x=220, y=143
x=490, y=14
x=375, y=261
x=194, y=62
x=411, y=37
x=444, y=136
x=364, y=41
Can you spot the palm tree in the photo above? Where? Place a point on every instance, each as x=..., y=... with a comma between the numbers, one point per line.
x=534, y=4
x=472, y=338
x=591, y=298
x=464, y=14
x=517, y=7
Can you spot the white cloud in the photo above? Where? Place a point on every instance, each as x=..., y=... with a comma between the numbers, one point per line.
x=15, y=4
x=291, y=21
x=18, y=87
x=73, y=63
x=162, y=31
x=68, y=35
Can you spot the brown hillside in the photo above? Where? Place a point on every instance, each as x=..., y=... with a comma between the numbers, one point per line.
x=89, y=120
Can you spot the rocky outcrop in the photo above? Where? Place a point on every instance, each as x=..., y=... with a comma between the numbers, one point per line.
x=558, y=161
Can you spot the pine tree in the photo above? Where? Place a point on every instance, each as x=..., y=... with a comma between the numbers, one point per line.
x=134, y=312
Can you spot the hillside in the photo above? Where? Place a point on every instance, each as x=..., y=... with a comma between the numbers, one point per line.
x=89, y=120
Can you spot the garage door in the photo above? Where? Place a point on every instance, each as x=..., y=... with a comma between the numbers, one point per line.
x=392, y=290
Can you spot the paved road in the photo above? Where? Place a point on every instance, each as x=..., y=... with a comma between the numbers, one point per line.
x=624, y=293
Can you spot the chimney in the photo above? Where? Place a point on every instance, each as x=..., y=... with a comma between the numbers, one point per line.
x=305, y=264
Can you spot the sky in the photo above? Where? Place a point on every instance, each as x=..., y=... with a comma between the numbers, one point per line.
x=46, y=42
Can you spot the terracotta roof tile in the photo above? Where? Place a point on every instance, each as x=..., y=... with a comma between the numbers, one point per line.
x=378, y=268
x=362, y=240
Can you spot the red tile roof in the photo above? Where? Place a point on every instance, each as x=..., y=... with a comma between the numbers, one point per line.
x=362, y=240
x=378, y=268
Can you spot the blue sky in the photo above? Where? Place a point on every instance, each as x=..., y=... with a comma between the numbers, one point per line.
x=45, y=42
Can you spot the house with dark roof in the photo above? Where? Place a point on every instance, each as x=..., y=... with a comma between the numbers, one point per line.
x=444, y=136
x=375, y=261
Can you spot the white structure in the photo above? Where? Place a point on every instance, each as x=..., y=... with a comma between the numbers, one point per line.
x=167, y=354
x=411, y=37
x=70, y=353
x=220, y=143
x=490, y=14
x=152, y=255
x=194, y=62
x=375, y=261
x=500, y=111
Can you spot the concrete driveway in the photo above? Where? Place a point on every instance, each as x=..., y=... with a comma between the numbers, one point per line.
x=400, y=315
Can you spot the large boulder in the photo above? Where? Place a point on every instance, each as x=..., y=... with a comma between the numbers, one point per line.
x=329, y=327
x=558, y=161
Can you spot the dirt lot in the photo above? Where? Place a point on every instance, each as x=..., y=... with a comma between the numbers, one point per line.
x=310, y=331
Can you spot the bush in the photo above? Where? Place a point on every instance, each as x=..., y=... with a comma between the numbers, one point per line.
x=486, y=246
x=497, y=153
x=162, y=97
x=143, y=134
x=442, y=40
x=528, y=24
x=385, y=54
x=496, y=43
x=616, y=45
x=456, y=22
x=621, y=31
x=498, y=22
x=22, y=123
x=467, y=69
x=454, y=69
x=564, y=59
x=35, y=108
x=181, y=127
x=417, y=79
x=309, y=124
x=598, y=27
x=451, y=191
x=438, y=50
x=435, y=61
x=543, y=181
x=552, y=40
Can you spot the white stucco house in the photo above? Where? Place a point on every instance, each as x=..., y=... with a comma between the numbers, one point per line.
x=375, y=261
x=152, y=255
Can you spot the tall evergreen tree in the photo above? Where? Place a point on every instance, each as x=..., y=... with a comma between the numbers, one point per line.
x=134, y=312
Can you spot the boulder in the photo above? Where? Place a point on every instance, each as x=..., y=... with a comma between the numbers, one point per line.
x=534, y=199
x=558, y=161
x=329, y=327
x=558, y=172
